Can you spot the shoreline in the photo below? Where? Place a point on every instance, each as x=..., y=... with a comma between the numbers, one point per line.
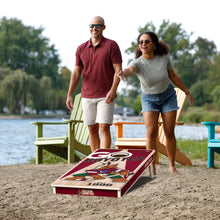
x=31, y=116
x=130, y=118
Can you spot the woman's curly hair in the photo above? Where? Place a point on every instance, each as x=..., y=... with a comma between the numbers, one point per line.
x=160, y=47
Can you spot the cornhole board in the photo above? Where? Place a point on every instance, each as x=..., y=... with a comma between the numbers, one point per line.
x=105, y=172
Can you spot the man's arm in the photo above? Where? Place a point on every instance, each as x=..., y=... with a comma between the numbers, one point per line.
x=111, y=95
x=73, y=83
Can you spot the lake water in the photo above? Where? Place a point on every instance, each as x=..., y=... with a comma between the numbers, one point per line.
x=17, y=137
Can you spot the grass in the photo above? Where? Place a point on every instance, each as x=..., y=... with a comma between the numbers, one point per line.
x=49, y=158
x=194, y=149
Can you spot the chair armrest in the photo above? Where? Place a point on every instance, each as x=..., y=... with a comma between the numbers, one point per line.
x=47, y=123
x=119, y=126
x=75, y=121
x=39, y=126
x=127, y=122
x=210, y=123
x=141, y=123
x=211, y=128
x=180, y=123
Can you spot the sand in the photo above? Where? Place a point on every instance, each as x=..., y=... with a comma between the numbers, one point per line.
x=26, y=193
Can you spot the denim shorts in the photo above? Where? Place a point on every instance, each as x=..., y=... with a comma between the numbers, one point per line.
x=162, y=102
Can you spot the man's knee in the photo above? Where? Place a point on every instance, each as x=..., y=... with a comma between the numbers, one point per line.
x=93, y=129
x=104, y=128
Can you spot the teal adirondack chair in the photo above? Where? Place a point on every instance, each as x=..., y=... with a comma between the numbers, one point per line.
x=70, y=147
x=213, y=143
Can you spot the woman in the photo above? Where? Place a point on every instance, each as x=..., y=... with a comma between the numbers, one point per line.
x=154, y=70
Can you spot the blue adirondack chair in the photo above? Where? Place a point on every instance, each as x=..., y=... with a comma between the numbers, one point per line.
x=70, y=147
x=213, y=143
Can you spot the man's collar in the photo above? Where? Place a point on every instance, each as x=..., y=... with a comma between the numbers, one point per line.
x=99, y=44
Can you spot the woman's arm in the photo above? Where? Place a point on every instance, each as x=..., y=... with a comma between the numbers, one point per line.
x=178, y=82
x=126, y=72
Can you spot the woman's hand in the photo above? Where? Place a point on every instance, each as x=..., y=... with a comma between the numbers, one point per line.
x=190, y=98
x=121, y=75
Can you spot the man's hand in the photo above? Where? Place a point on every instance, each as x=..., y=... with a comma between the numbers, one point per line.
x=110, y=97
x=69, y=103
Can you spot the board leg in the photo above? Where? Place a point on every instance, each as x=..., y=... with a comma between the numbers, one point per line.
x=151, y=171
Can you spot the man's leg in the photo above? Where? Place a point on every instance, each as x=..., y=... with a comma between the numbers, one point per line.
x=94, y=140
x=105, y=118
x=105, y=136
x=89, y=117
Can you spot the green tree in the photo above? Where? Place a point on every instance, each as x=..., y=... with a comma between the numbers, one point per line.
x=137, y=104
x=24, y=47
x=204, y=52
x=201, y=92
x=14, y=90
x=216, y=96
x=204, y=49
x=46, y=95
x=214, y=69
x=62, y=87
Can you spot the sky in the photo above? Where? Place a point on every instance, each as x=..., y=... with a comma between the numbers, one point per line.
x=65, y=22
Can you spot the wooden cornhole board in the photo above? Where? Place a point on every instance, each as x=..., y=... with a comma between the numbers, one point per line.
x=105, y=172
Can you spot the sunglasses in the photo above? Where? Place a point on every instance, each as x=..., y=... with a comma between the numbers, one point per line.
x=145, y=41
x=96, y=25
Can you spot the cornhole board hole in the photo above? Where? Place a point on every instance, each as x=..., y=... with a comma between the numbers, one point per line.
x=105, y=172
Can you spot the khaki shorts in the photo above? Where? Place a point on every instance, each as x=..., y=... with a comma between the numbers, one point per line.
x=95, y=110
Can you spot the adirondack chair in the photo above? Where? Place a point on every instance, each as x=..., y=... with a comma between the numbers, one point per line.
x=70, y=147
x=135, y=143
x=213, y=143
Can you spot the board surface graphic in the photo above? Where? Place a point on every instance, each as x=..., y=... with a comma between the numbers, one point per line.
x=105, y=172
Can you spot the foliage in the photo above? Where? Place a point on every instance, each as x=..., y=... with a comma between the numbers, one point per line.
x=24, y=47
x=216, y=96
x=15, y=87
x=137, y=104
x=29, y=69
x=201, y=92
x=199, y=114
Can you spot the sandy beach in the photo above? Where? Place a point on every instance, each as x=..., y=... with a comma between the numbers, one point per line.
x=26, y=193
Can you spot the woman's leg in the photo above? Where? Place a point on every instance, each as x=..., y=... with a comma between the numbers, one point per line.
x=169, y=119
x=151, y=122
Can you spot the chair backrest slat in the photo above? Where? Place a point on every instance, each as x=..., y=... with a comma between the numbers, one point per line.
x=81, y=131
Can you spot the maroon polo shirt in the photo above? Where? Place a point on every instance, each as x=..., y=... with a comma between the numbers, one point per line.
x=97, y=62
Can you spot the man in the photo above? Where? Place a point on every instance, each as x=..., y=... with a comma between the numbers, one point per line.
x=100, y=60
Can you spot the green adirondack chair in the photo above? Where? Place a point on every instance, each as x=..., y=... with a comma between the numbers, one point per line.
x=70, y=147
